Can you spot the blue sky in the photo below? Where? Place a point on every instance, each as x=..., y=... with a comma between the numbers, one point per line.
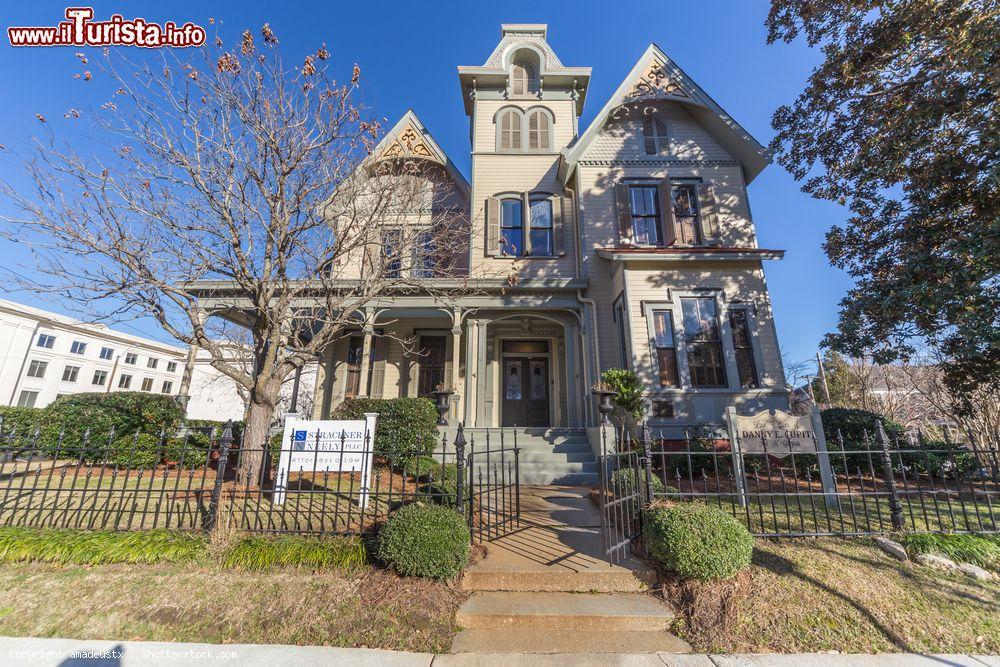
x=408, y=52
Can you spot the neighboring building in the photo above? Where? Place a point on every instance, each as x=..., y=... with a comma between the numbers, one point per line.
x=631, y=240
x=45, y=355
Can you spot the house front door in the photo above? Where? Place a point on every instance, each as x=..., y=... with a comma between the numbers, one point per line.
x=525, y=391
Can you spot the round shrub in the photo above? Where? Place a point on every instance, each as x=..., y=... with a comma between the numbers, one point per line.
x=405, y=426
x=697, y=541
x=425, y=541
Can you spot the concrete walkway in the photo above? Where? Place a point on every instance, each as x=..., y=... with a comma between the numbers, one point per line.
x=41, y=652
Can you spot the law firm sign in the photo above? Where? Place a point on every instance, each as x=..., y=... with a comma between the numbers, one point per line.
x=313, y=446
x=777, y=433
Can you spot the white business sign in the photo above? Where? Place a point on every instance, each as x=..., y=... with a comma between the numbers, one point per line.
x=309, y=446
x=776, y=432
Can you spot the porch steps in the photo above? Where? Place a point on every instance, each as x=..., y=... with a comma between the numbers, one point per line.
x=547, y=455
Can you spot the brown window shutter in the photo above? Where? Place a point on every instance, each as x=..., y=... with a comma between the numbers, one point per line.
x=561, y=213
x=492, y=226
x=624, y=212
x=666, y=203
x=709, y=214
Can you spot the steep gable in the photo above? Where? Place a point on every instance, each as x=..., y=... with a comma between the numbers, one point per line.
x=409, y=138
x=655, y=77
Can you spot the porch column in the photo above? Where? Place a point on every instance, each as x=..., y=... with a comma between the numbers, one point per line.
x=574, y=395
x=456, y=378
x=368, y=330
x=482, y=419
x=471, y=370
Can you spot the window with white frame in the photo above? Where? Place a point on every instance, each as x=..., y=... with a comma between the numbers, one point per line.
x=685, y=203
x=78, y=347
x=665, y=348
x=27, y=399
x=46, y=341
x=36, y=369
x=107, y=353
x=100, y=377
x=147, y=384
x=152, y=362
x=167, y=387
x=523, y=78
x=171, y=366
x=392, y=259
x=427, y=259
x=703, y=342
x=124, y=381
x=654, y=136
x=512, y=226
x=70, y=373
x=746, y=365
x=510, y=130
x=539, y=130
x=540, y=240
x=131, y=358
x=645, y=210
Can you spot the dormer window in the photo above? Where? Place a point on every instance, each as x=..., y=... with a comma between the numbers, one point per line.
x=654, y=136
x=523, y=78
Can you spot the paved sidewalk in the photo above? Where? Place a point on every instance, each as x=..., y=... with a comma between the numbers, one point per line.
x=86, y=653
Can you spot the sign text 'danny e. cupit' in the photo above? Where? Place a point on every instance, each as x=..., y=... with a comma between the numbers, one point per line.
x=776, y=432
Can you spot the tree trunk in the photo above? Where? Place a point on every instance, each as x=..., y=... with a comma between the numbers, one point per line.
x=263, y=401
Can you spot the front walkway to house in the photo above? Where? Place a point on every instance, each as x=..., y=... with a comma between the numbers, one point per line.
x=546, y=588
x=48, y=652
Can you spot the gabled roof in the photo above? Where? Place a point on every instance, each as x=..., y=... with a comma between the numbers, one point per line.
x=656, y=77
x=409, y=138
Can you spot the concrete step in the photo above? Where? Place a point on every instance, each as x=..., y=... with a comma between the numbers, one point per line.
x=558, y=467
x=618, y=580
x=587, y=479
x=604, y=612
x=550, y=640
x=541, y=456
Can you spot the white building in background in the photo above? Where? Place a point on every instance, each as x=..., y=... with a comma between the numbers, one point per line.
x=44, y=355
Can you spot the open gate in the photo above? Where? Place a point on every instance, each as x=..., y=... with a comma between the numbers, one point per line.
x=624, y=473
x=488, y=489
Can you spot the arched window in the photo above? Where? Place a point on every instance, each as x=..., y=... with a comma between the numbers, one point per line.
x=654, y=136
x=539, y=131
x=510, y=130
x=523, y=78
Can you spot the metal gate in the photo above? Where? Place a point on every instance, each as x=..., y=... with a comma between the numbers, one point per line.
x=625, y=478
x=488, y=490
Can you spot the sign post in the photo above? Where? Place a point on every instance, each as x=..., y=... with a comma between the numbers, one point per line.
x=734, y=446
x=327, y=446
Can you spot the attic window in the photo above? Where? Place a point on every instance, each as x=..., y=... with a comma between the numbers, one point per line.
x=524, y=78
x=654, y=136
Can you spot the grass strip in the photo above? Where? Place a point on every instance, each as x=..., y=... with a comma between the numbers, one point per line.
x=981, y=550
x=255, y=553
x=81, y=547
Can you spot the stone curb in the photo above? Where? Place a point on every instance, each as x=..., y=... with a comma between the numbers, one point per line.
x=46, y=652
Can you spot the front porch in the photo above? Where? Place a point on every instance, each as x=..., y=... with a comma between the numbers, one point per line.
x=513, y=366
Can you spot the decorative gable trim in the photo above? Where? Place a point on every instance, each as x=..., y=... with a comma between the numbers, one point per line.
x=656, y=83
x=407, y=143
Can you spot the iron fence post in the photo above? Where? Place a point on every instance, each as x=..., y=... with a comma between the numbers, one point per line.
x=460, y=465
x=647, y=462
x=220, y=473
x=895, y=507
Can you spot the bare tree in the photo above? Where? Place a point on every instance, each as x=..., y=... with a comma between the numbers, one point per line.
x=239, y=180
x=977, y=415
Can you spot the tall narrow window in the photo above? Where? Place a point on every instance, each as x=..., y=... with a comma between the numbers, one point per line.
x=685, y=196
x=511, y=227
x=355, y=350
x=654, y=136
x=540, y=228
x=645, y=209
x=427, y=261
x=523, y=78
x=432, y=356
x=510, y=130
x=703, y=338
x=619, y=317
x=666, y=351
x=392, y=260
x=538, y=131
x=739, y=322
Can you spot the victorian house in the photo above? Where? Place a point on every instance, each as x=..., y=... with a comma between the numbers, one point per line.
x=631, y=240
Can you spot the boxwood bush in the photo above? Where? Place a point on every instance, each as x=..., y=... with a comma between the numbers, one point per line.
x=425, y=541
x=146, y=450
x=697, y=541
x=405, y=425
x=624, y=481
x=19, y=420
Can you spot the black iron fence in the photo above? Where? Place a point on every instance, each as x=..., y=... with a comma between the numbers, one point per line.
x=878, y=484
x=180, y=480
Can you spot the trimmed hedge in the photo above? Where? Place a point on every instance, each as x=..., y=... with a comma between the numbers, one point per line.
x=697, y=541
x=146, y=451
x=127, y=412
x=405, y=425
x=19, y=420
x=624, y=481
x=425, y=541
